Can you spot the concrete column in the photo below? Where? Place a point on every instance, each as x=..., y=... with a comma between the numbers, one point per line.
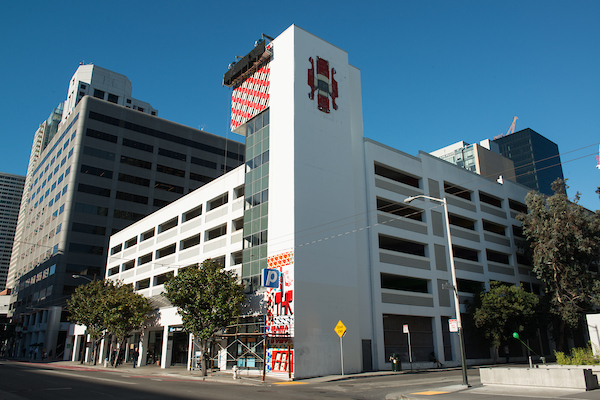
x=143, y=349
x=165, y=348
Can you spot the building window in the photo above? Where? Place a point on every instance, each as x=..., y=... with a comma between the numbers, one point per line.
x=398, y=282
x=489, y=199
x=171, y=171
x=165, y=226
x=237, y=224
x=189, y=242
x=107, y=137
x=131, y=242
x=101, y=172
x=517, y=206
x=200, y=178
x=402, y=246
x=236, y=258
x=116, y=249
x=457, y=220
x=142, y=284
x=238, y=192
x=90, y=229
x=217, y=201
x=90, y=151
x=172, y=154
x=396, y=175
x=165, y=251
x=136, y=180
x=399, y=209
x=465, y=253
x=468, y=286
x=193, y=213
x=134, y=198
x=144, y=259
x=147, y=235
x=97, y=191
x=494, y=228
x=215, y=232
x=162, y=278
x=113, y=271
x=497, y=257
x=138, y=145
x=458, y=191
x=127, y=266
x=136, y=162
x=113, y=98
x=168, y=187
x=99, y=94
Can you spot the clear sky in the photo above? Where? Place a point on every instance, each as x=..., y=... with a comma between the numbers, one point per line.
x=433, y=72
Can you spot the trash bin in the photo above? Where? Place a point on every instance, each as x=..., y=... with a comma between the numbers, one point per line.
x=395, y=359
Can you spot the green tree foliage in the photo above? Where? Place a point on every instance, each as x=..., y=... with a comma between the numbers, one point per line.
x=505, y=309
x=207, y=297
x=87, y=306
x=108, y=307
x=565, y=243
x=127, y=312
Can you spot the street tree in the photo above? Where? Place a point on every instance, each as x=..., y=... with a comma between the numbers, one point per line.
x=207, y=298
x=564, y=241
x=88, y=307
x=505, y=309
x=108, y=307
x=126, y=312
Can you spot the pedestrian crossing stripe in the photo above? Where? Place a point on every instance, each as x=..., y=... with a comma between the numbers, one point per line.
x=430, y=392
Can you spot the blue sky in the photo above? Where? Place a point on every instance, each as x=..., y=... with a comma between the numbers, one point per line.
x=433, y=72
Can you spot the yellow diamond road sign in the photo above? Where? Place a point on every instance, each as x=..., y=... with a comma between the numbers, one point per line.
x=340, y=329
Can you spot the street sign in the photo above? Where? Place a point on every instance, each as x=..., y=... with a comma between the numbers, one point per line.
x=453, y=325
x=405, y=328
x=340, y=329
x=270, y=278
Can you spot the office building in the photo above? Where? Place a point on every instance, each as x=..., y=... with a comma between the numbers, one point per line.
x=108, y=164
x=11, y=192
x=323, y=208
x=536, y=158
x=483, y=158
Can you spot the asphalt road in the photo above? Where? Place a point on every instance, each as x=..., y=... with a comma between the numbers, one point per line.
x=49, y=381
x=19, y=381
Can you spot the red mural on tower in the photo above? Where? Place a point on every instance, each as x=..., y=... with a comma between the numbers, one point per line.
x=325, y=86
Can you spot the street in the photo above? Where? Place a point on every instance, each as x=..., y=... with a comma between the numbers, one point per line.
x=22, y=380
x=65, y=380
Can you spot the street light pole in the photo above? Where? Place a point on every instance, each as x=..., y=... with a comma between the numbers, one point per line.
x=82, y=276
x=461, y=331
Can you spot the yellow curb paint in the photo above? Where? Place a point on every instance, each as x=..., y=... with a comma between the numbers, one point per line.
x=430, y=392
x=291, y=383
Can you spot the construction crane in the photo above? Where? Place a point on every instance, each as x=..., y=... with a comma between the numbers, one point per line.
x=512, y=126
x=510, y=130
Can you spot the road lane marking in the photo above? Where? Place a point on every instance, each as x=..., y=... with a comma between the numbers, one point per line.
x=430, y=392
x=291, y=383
x=88, y=377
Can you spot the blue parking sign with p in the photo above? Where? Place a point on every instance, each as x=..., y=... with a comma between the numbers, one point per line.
x=270, y=278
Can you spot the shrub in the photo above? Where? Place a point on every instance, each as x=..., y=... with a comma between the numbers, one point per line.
x=579, y=356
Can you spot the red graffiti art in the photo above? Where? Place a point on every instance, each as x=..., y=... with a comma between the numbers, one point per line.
x=326, y=86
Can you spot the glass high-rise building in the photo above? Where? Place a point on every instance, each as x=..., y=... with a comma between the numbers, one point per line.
x=11, y=190
x=536, y=158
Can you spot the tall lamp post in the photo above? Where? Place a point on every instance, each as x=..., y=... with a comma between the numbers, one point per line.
x=461, y=335
x=83, y=277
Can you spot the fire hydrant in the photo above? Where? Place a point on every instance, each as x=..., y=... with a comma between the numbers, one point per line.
x=235, y=371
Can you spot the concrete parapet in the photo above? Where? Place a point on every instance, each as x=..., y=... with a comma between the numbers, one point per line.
x=568, y=378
